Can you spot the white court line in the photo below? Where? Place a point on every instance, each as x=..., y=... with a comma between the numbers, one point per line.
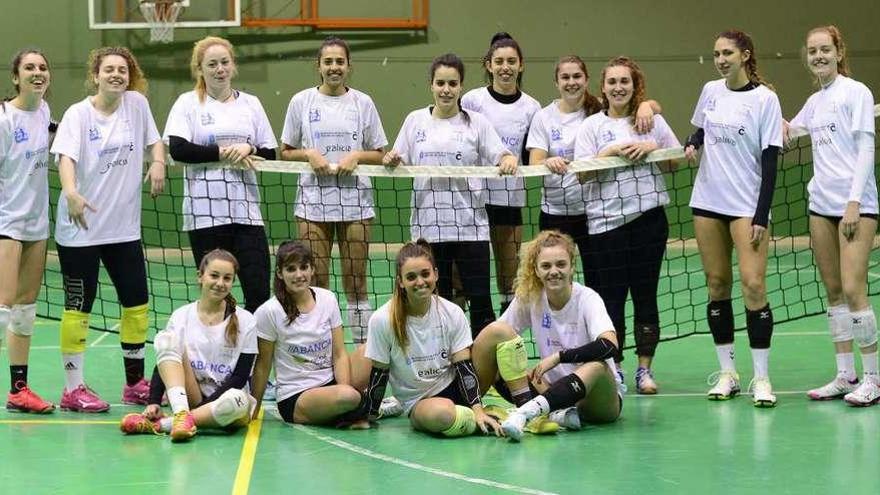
x=103, y=335
x=775, y=334
x=703, y=394
x=417, y=467
x=51, y=347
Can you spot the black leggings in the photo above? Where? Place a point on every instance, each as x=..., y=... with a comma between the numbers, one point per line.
x=573, y=225
x=124, y=263
x=249, y=246
x=472, y=260
x=628, y=260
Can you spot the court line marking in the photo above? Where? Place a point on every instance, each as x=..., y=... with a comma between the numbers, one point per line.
x=59, y=422
x=248, y=453
x=418, y=467
x=104, y=335
x=703, y=394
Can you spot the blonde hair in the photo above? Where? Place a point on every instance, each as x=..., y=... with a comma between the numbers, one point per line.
x=198, y=55
x=527, y=285
x=397, y=309
x=137, y=81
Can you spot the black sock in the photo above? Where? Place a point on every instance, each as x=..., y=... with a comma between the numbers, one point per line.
x=760, y=327
x=17, y=378
x=720, y=317
x=134, y=366
x=566, y=392
x=521, y=398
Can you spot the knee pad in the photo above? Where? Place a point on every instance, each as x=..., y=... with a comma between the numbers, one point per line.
x=719, y=314
x=168, y=347
x=74, y=330
x=840, y=323
x=759, y=325
x=647, y=336
x=231, y=406
x=133, y=325
x=465, y=424
x=5, y=316
x=512, y=359
x=864, y=327
x=22, y=319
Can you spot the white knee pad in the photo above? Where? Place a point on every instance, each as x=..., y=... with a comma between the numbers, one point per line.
x=22, y=319
x=4, y=320
x=840, y=323
x=230, y=406
x=864, y=327
x=168, y=347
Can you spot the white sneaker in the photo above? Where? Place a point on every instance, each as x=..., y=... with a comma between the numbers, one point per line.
x=867, y=394
x=390, y=407
x=568, y=418
x=834, y=389
x=645, y=383
x=725, y=385
x=513, y=425
x=762, y=392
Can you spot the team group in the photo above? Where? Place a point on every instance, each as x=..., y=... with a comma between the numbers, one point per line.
x=214, y=358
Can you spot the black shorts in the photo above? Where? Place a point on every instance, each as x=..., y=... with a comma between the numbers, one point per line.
x=837, y=219
x=288, y=405
x=4, y=237
x=510, y=216
x=698, y=212
x=451, y=392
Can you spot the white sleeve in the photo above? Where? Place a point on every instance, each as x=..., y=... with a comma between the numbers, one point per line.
x=263, y=136
x=5, y=133
x=517, y=316
x=403, y=143
x=379, y=335
x=864, y=164
x=335, y=313
x=491, y=149
x=585, y=145
x=151, y=133
x=663, y=134
x=468, y=101
x=264, y=323
x=373, y=132
x=800, y=120
x=179, y=122
x=771, y=123
x=461, y=330
x=595, y=314
x=697, y=118
x=863, y=111
x=68, y=139
x=537, y=138
x=248, y=332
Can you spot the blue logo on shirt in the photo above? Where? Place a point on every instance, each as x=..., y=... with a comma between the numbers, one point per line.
x=546, y=321
x=608, y=136
x=710, y=104
x=94, y=134
x=207, y=119
x=314, y=115
x=20, y=135
x=555, y=134
x=421, y=136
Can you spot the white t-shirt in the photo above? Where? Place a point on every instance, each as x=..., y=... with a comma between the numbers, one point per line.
x=620, y=195
x=448, y=209
x=555, y=132
x=738, y=126
x=213, y=197
x=336, y=126
x=581, y=321
x=24, y=178
x=833, y=115
x=211, y=357
x=511, y=122
x=304, y=348
x=425, y=368
x=109, y=155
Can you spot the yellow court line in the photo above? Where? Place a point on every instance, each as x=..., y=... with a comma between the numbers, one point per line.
x=58, y=422
x=248, y=453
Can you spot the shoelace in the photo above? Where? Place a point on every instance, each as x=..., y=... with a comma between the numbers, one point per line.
x=715, y=377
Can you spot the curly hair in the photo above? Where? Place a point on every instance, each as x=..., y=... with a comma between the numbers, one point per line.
x=638, y=80
x=137, y=81
x=527, y=285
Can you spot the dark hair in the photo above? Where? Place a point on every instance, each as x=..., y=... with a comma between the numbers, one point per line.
x=289, y=252
x=232, y=326
x=837, y=39
x=591, y=103
x=412, y=249
x=638, y=80
x=502, y=40
x=15, y=64
x=334, y=41
x=450, y=60
x=744, y=43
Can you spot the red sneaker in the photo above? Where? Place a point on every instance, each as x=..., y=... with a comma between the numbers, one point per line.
x=183, y=426
x=26, y=401
x=83, y=399
x=137, y=394
x=138, y=423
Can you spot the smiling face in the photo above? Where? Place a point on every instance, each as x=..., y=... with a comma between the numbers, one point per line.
x=446, y=88
x=333, y=66
x=822, y=56
x=216, y=280
x=505, y=67
x=32, y=75
x=571, y=81
x=617, y=87
x=113, y=75
x=297, y=275
x=729, y=59
x=553, y=268
x=417, y=278
x=217, y=68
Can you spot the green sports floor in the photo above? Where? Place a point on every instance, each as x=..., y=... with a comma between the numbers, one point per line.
x=675, y=442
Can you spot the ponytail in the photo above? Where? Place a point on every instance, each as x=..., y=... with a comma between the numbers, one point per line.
x=232, y=326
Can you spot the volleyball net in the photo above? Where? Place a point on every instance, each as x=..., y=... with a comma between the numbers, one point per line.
x=793, y=284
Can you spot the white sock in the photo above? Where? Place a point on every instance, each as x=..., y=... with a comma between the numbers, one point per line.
x=165, y=424
x=535, y=407
x=726, y=357
x=846, y=365
x=177, y=399
x=869, y=365
x=760, y=359
x=73, y=370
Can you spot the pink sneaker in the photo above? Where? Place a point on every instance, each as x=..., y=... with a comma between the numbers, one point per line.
x=83, y=399
x=25, y=400
x=183, y=426
x=137, y=394
x=138, y=423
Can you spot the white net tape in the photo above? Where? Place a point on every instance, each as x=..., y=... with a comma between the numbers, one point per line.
x=161, y=16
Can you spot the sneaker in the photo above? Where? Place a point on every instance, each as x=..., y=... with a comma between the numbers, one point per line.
x=137, y=394
x=26, y=401
x=725, y=385
x=83, y=399
x=834, y=389
x=138, y=423
x=541, y=425
x=497, y=412
x=513, y=426
x=762, y=392
x=390, y=407
x=568, y=418
x=620, y=378
x=183, y=426
x=867, y=394
x=645, y=383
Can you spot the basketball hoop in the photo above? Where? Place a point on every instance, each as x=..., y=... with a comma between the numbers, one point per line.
x=161, y=16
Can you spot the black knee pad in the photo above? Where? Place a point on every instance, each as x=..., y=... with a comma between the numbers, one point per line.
x=760, y=327
x=647, y=337
x=720, y=317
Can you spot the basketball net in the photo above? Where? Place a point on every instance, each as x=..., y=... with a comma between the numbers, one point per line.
x=161, y=15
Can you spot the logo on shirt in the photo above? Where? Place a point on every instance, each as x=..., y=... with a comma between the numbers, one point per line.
x=710, y=104
x=94, y=134
x=546, y=321
x=314, y=115
x=20, y=135
x=421, y=136
x=607, y=136
x=832, y=127
x=454, y=155
x=555, y=134
x=207, y=119
x=511, y=141
x=219, y=368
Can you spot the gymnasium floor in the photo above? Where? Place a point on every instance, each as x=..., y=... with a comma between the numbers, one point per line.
x=675, y=442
